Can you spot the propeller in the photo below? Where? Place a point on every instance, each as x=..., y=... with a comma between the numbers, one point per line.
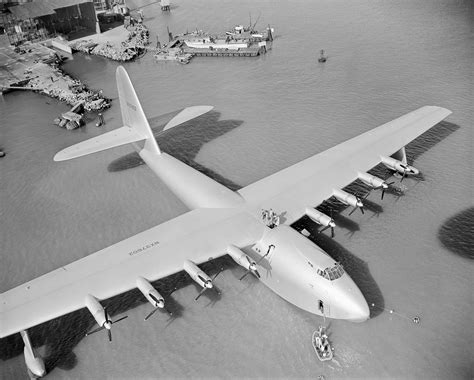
x=406, y=169
x=325, y=228
x=151, y=313
x=208, y=285
x=403, y=175
x=200, y=293
x=157, y=307
x=359, y=201
x=107, y=325
x=250, y=270
x=331, y=225
x=253, y=267
x=384, y=187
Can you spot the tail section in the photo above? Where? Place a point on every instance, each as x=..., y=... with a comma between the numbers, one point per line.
x=117, y=137
x=132, y=112
x=136, y=127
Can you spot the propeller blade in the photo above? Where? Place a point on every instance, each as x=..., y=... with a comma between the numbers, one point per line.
x=355, y=208
x=96, y=330
x=332, y=232
x=254, y=272
x=106, y=316
x=109, y=332
x=362, y=210
x=151, y=313
x=403, y=176
x=155, y=310
x=258, y=262
x=324, y=229
x=120, y=319
x=200, y=293
x=265, y=255
x=383, y=193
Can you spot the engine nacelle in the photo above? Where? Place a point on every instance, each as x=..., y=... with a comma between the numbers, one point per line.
x=96, y=309
x=240, y=257
x=319, y=217
x=398, y=166
x=371, y=180
x=197, y=274
x=347, y=199
x=150, y=293
x=34, y=363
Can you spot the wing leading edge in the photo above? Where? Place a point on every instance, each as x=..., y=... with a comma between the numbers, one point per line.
x=311, y=181
x=153, y=254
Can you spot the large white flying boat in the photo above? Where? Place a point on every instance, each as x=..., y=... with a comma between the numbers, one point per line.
x=220, y=221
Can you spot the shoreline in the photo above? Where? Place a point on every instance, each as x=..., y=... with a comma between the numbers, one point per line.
x=37, y=68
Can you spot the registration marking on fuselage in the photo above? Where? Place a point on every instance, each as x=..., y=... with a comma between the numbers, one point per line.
x=144, y=248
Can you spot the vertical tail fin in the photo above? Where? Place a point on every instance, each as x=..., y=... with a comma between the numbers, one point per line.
x=132, y=112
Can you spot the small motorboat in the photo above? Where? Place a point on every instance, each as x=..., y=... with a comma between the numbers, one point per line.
x=321, y=344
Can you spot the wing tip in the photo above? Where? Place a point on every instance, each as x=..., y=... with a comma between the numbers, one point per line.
x=61, y=156
x=438, y=108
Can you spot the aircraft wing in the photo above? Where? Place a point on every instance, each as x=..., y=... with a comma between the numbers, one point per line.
x=311, y=181
x=198, y=235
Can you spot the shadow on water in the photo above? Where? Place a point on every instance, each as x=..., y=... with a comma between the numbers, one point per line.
x=429, y=139
x=61, y=335
x=357, y=269
x=184, y=143
x=457, y=233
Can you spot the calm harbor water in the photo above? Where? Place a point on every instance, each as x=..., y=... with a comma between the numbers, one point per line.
x=412, y=254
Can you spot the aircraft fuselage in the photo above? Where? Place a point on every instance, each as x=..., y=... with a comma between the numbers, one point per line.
x=294, y=269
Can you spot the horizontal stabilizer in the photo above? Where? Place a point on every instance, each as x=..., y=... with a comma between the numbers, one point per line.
x=187, y=114
x=117, y=137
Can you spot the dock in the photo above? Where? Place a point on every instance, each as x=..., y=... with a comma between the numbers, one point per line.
x=35, y=67
x=250, y=52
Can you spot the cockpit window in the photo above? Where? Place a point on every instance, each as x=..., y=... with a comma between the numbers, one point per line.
x=332, y=273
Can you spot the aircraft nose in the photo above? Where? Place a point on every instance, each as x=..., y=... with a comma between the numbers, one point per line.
x=360, y=311
x=353, y=305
